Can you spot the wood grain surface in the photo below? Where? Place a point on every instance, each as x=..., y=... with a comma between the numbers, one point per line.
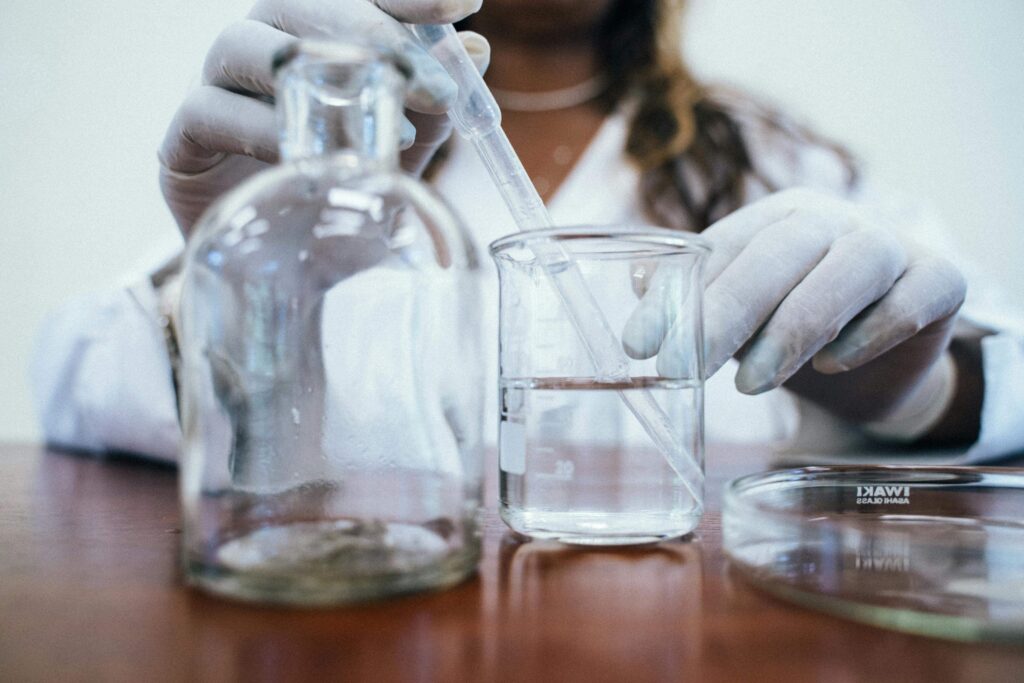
x=90, y=590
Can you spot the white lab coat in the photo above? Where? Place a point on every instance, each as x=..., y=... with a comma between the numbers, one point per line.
x=103, y=380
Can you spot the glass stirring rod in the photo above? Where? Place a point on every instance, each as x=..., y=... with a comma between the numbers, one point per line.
x=477, y=118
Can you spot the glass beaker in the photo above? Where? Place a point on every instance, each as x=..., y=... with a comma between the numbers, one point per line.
x=576, y=464
x=331, y=362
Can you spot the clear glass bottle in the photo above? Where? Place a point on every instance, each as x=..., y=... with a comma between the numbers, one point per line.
x=331, y=363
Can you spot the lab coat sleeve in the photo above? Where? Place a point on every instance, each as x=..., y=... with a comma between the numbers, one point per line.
x=1002, y=414
x=102, y=376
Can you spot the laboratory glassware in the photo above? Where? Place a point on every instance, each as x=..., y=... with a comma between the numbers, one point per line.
x=575, y=463
x=937, y=551
x=477, y=118
x=331, y=360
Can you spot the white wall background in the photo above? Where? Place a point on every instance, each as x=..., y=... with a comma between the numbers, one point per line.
x=930, y=93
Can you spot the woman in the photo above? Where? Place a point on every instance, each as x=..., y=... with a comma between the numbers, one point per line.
x=810, y=288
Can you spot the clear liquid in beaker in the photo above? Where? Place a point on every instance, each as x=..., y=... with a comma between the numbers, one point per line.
x=576, y=465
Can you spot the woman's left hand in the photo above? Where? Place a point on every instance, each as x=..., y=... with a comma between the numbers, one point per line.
x=802, y=276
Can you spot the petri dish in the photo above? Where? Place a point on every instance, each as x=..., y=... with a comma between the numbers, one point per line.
x=936, y=551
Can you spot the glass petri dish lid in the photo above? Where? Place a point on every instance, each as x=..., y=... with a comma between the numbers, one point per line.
x=936, y=551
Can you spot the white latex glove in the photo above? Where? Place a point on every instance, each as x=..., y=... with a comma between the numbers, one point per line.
x=226, y=129
x=801, y=275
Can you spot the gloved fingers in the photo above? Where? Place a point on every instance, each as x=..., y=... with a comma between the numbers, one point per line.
x=859, y=268
x=641, y=273
x=932, y=289
x=431, y=90
x=188, y=195
x=678, y=357
x=240, y=59
x=648, y=325
x=429, y=131
x=211, y=123
x=749, y=288
x=478, y=49
x=731, y=235
x=429, y=11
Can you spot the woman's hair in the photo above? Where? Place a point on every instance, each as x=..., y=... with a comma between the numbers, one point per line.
x=691, y=146
x=691, y=143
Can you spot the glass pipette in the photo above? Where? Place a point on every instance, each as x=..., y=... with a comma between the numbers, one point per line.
x=477, y=117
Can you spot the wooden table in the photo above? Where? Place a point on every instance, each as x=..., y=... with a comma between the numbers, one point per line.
x=90, y=590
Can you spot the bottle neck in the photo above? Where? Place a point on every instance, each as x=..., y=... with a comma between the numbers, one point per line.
x=328, y=106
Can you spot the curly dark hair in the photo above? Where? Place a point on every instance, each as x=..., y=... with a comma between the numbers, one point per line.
x=682, y=130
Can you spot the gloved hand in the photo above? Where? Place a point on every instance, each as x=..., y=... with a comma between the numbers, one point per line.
x=801, y=276
x=225, y=130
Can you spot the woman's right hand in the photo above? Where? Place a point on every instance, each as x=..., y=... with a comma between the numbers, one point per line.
x=225, y=130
